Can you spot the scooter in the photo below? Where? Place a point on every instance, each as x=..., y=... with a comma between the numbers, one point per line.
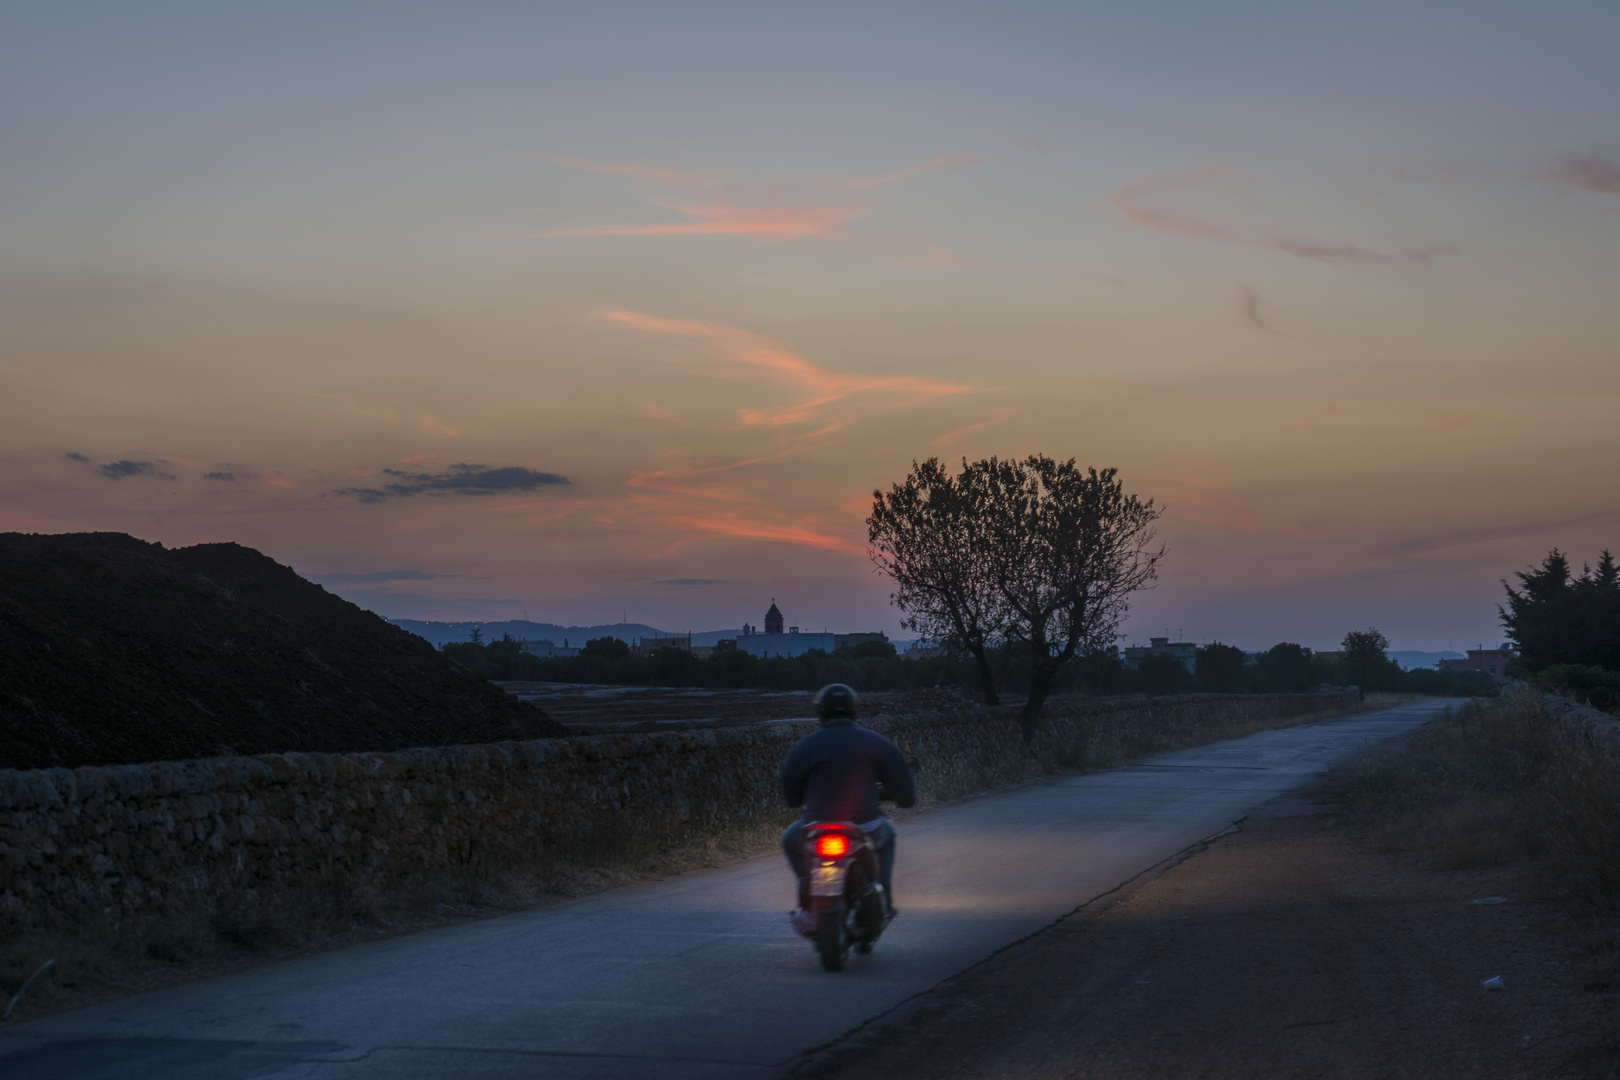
x=846, y=898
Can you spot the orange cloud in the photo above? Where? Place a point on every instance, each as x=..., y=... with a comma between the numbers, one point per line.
x=822, y=210
x=723, y=217
x=750, y=355
x=1132, y=203
x=746, y=529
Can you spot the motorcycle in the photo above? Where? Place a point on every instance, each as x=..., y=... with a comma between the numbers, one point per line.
x=846, y=905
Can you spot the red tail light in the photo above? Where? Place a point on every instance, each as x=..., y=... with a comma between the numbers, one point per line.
x=832, y=846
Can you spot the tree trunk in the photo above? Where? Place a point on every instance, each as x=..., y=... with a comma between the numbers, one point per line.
x=987, y=680
x=1029, y=720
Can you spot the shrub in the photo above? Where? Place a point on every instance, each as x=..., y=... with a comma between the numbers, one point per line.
x=1598, y=687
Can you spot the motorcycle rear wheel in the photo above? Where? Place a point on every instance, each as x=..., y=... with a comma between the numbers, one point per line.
x=831, y=944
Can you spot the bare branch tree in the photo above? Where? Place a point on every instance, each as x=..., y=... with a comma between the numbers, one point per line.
x=1035, y=554
x=926, y=535
x=1068, y=548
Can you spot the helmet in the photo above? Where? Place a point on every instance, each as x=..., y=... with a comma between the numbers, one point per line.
x=835, y=701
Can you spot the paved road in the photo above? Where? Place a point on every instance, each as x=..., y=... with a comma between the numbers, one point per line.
x=695, y=977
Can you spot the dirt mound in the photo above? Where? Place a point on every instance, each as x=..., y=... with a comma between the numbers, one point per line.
x=113, y=651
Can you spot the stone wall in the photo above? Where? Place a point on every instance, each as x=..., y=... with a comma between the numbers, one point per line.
x=142, y=840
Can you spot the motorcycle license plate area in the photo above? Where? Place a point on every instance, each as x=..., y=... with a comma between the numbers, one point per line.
x=827, y=879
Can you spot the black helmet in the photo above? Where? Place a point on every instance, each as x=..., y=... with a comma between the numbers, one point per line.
x=835, y=701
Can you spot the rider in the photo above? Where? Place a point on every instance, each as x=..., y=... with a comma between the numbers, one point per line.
x=839, y=774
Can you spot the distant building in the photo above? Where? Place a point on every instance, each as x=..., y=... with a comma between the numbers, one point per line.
x=1492, y=662
x=546, y=650
x=1185, y=651
x=775, y=642
x=648, y=645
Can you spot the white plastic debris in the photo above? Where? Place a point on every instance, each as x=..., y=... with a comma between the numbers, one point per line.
x=1494, y=983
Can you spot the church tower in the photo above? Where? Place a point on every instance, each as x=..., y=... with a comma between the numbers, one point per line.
x=773, y=619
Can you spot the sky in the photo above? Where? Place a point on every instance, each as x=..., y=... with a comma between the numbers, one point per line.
x=611, y=310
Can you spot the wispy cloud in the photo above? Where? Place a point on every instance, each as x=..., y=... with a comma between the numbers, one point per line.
x=119, y=470
x=725, y=217
x=1585, y=172
x=691, y=582
x=951, y=438
x=228, y=476
x=74, y=455
x=1420, y=407
x=743, y=354
x=747, y=528
x=787, y=210
x=394, y=413
x=1196, y=499
x=1140, y=203
x=460, y=479
x=720, y=495
x=1249, y=304
x=1441, y=541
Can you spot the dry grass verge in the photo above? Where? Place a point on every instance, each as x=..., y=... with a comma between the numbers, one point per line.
x=1516, y=783
x=97, y=960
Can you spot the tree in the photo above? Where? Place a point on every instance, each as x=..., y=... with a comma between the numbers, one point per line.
x=1364, y=660
x=1037, y=552
x=927, y=536
x=608, y=648
x=1285, y=668
x=1219, y=668
x=1161, y=673
x=1559, y=618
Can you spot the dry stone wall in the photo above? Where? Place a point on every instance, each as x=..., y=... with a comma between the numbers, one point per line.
x=144, y=840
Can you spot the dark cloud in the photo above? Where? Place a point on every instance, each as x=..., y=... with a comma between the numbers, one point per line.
x=1440, y=541
x=691, y=581
x=457, y=480
x=117, y=470
x=73, y=455
x=1586, y=173
x=376, y=577
x=219, y=476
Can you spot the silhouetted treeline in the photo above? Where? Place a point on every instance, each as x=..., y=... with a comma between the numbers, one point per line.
x=1222, y=669
x=1567, y=628
x=871, y=665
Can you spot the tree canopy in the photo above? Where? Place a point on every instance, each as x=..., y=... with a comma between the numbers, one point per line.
x=1037, y=554
x=1558, y=618
x=1365, y=661
x=1220, y=668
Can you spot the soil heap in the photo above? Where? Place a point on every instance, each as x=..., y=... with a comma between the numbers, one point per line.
x=116, y=651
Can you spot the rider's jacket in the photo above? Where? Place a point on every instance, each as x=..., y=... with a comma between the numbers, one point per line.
x=840, y=772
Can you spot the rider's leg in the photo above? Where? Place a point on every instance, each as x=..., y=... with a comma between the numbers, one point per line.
x=885, y=854
x=793, y=848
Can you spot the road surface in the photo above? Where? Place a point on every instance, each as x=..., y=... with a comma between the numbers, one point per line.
x=699, y=976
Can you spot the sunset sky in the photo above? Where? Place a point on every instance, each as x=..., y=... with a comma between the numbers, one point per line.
x=484, y=310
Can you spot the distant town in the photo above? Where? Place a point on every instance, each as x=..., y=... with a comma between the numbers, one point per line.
x=775, y=637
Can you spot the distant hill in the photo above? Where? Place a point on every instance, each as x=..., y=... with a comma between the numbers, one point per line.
x=1410, y=660
x=116, y=651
